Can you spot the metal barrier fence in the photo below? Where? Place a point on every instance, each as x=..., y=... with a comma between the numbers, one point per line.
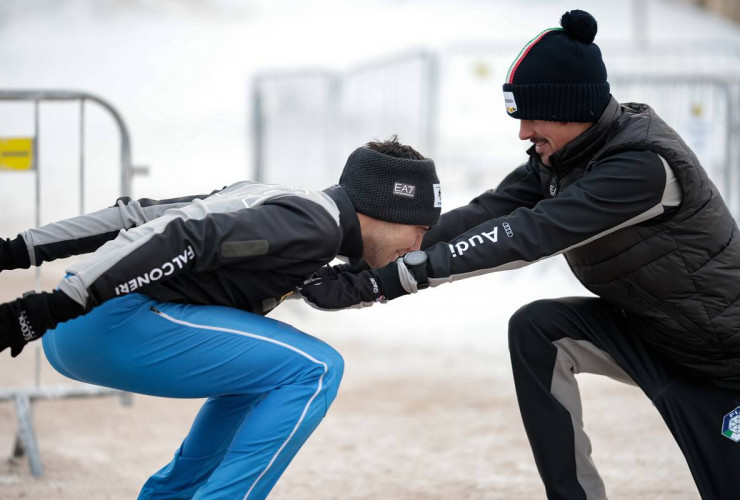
x=127, y=169
x=299, y=106
x=24, y=154
x=305, y=124
x=450, y=107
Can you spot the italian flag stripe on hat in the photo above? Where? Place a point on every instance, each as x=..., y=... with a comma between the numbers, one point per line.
x=525, y=51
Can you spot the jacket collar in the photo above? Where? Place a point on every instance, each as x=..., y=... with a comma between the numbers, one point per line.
x=351, y=246
x=581, y=149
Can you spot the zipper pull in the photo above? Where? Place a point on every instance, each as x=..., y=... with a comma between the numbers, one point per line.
x=154, y=309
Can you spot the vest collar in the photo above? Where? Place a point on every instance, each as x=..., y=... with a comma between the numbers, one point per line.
x=580, y=150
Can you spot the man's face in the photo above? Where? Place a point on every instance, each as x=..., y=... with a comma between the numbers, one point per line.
x=549, y=137
x=383, y=242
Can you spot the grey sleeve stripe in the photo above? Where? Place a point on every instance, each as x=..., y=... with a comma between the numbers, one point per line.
x=122, y=216
x=516, y=264
x=86, y=271
x=28, y=239
x=672, y=192
x=100, y=222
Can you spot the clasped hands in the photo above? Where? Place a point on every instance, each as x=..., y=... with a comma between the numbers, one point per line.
x=343, y=286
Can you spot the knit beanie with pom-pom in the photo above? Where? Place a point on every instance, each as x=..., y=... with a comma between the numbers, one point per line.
x=559, y=75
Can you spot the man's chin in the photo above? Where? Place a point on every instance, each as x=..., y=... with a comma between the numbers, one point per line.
x=373, y=264
x=381, y=263
x=545, y=158
x=544, y=154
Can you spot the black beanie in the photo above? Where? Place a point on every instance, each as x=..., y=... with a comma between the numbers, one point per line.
x=559, y=75
x=392, y=189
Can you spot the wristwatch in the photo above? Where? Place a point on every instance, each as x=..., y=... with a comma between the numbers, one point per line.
x=416, y=262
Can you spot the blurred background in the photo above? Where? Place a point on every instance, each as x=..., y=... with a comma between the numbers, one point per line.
x=162, y=98
x=213, y=91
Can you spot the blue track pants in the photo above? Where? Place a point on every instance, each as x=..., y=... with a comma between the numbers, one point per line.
x=268, y=386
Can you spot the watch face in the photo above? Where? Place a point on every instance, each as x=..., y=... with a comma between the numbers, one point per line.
x=415, y=258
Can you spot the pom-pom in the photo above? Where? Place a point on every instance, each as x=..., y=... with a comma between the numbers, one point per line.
x=579, y=25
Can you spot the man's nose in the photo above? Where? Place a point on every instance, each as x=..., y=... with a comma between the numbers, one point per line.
x=525, y=129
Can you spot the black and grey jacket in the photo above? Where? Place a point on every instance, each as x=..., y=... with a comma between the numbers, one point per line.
x=245, y=246
x=639, y=222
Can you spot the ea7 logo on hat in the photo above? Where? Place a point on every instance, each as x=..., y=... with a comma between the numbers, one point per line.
x=402, y=189
x=731, y=425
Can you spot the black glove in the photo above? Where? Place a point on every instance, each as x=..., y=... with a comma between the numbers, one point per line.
x=14, y=254
x=361, y=289
x=28, y=318
x=330, y=272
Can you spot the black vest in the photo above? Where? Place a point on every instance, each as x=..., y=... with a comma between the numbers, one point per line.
x=678, y=279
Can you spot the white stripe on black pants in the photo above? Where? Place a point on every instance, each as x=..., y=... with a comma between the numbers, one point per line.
x=552, y=340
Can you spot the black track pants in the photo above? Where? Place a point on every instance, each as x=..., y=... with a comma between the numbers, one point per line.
x=552, y=340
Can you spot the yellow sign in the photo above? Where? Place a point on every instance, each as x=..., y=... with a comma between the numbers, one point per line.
x=16, y=154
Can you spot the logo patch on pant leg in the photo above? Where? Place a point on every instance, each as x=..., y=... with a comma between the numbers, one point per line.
x=731, y=425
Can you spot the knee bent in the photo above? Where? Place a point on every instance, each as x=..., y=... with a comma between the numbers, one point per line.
x=330, y=372
x=325, y=363
x=528, y=321
x=334, y=366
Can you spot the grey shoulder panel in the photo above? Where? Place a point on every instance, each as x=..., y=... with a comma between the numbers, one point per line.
x=253, y=193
